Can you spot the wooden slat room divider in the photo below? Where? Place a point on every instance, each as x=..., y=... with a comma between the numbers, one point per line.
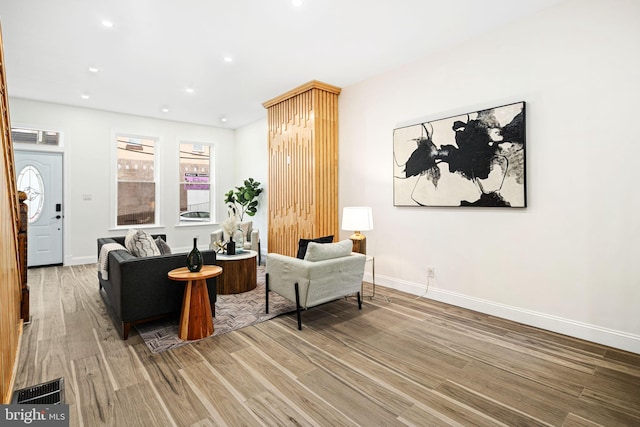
x=303, y=165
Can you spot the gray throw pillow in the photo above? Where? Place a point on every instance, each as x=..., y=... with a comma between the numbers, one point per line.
x=162, y=246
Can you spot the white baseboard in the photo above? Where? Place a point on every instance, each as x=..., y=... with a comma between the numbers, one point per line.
x=70, y=260
x=610, y=337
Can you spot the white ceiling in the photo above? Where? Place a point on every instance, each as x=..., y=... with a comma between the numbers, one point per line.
x=159, y=48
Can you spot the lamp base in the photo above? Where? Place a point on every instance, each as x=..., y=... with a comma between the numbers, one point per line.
x=359, y=242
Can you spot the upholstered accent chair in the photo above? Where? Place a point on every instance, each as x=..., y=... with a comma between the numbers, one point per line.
x=329, y=271
x=251, y=237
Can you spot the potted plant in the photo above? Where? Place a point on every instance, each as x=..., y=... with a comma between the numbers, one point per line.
x=243, y=199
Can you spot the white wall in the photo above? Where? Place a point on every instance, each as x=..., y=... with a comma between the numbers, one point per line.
x=568, y=262
x=88, y=140
x=251, y=162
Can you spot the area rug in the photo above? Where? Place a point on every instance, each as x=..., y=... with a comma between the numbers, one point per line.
x=233, y=312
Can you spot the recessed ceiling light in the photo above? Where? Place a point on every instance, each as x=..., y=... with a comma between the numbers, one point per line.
x=189, y=90
x=93, y=69
x=223, y=119
x=107, y=23
x=165, y=110
x=228, y=59
x=296, y=2
x=85, y=96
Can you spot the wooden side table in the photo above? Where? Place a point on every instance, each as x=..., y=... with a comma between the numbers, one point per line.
x=196, y=321
x=240, y=272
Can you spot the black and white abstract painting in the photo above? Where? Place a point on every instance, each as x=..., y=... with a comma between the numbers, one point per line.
x=474, y=159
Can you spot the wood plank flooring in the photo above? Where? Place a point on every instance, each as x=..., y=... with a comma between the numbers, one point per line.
x=401, y=360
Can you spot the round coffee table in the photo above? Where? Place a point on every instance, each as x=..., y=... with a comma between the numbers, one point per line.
x=196, y=321
x=240, y=272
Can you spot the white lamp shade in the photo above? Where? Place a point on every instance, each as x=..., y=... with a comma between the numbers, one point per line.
x=357, y=219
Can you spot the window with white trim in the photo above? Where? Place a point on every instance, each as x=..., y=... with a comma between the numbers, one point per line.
x=195, y=183
x=137, y=189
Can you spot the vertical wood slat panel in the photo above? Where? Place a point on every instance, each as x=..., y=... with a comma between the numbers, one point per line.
x=320, y=162
x=10, y=280
x=303, y=193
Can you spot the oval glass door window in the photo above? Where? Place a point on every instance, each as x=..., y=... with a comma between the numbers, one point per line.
x=30, y=181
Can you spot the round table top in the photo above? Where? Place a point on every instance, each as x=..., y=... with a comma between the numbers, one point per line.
x=245, y=254
x=206, y=272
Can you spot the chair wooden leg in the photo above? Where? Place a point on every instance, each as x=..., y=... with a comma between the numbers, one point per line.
x=359, y=302
x=298, y=307
x=266, y=293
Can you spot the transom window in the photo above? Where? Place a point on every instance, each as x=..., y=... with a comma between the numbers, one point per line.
x=195, y=183
x=33, y=136
x=136, y=181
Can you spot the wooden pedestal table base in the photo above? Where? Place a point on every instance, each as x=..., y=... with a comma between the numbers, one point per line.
x=240, y=272
x=196, y=321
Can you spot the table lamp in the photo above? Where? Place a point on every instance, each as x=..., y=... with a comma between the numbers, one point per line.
x=357, y=219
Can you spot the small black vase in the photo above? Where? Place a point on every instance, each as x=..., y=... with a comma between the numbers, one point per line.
x=194, y=259
x=231, y=246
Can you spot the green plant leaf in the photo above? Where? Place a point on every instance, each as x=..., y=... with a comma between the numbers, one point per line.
x=243, y=199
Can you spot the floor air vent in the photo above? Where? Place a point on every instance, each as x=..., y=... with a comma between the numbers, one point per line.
x=50, y=393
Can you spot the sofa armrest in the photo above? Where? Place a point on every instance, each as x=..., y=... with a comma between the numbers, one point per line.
x=254, y=242
x=103, y=241
x=334, y=278
x=284, y=272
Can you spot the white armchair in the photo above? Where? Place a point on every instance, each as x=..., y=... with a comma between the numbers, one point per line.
x=251, y=237
x=328, y=272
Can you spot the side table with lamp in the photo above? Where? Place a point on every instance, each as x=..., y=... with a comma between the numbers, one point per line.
x=359, y=219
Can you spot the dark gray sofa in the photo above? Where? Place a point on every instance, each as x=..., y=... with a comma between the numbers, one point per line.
x=138, y=289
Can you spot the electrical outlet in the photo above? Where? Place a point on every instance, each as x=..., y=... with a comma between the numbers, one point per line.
x=431, y=272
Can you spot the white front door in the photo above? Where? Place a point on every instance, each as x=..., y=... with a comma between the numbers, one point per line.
x=39, y=174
